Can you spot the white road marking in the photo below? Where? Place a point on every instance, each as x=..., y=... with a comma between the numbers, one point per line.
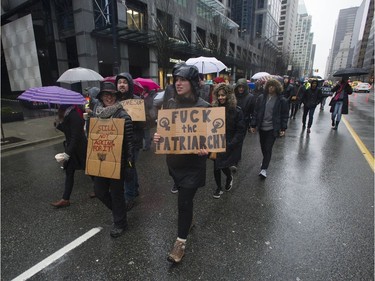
x=55, y=256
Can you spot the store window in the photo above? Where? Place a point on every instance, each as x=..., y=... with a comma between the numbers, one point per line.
x=135, y=19
x=64, y=15
x=185, y=31
x=165, y=22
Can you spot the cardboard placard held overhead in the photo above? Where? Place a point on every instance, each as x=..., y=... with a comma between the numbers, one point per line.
x=186, y=130
x=135, y=108
x=105, y=147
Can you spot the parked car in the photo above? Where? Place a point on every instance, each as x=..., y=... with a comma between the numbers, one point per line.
x=362, y=87
x=354, y=83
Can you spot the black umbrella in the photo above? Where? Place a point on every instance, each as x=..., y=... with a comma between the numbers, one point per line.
x=350, y=72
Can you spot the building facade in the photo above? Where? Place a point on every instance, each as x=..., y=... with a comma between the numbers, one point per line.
x=145, y=38
x=341, y=52
x=302, y=52
x=266, y=31
x=288, y=23
x=363, y=41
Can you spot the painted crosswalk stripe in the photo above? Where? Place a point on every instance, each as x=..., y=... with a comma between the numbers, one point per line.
x=55, y=256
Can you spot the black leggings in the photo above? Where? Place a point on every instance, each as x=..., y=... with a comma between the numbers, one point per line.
x=267, y=139
x=217, y=175
x=69, y=181
x=185, y=210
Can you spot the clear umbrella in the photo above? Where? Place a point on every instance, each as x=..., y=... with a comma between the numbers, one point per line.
x=259, y=75
x=79, y=74
x=207, y=64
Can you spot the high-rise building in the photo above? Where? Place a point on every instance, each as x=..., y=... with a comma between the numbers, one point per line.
x=302, y=53
x=266, y=30
x=242, y=12
x=341, y=52
x=363, y=37
x=288, y=20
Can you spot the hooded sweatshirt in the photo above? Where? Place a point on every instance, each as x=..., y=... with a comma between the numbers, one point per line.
x=245, y=100
x=138, y=126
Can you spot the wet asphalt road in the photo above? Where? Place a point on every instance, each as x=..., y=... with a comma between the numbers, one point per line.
x=311, y=219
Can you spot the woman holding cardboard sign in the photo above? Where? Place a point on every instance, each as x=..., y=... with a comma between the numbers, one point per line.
x=235, y=128
x=108, y=190
x=187, y=170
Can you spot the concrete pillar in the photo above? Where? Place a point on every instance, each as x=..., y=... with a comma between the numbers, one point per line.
x=84, y=24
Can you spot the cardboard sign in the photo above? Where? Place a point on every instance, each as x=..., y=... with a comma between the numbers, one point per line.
x=186, y=130
x=135, y=108
x=105, y=147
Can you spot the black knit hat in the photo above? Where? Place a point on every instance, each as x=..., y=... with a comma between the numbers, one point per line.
x=107, y=87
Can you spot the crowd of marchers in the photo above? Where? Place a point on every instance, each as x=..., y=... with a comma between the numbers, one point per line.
x=262, y=108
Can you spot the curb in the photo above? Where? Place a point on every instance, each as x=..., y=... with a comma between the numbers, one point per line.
x=28, y=143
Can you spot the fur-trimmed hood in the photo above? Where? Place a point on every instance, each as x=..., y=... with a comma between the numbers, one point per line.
x=231, y=101
x=276, y=84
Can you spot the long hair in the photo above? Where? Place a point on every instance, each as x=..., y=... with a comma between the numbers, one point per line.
x=231, y=101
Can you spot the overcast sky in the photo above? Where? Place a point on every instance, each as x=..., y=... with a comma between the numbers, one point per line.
x=324, y=16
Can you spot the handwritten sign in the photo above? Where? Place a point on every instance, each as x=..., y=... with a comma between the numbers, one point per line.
x=105, y=147
x=135, y=108
x=186, y=130
x=326, y=91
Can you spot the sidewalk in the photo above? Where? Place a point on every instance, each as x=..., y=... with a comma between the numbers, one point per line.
x=29, y=132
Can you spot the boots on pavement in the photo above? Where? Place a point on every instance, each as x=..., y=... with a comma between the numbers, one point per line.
x=61, y=203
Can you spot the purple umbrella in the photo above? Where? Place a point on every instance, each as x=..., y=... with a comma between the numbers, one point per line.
x=52, y=94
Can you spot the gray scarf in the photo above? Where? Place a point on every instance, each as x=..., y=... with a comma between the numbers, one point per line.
x=106, y=112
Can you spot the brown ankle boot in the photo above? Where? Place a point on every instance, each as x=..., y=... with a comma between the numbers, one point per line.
x=61, y=203
x=177, y=252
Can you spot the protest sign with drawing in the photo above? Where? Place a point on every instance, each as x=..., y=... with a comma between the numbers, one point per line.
x=105, y=147
x=186, y=130
x=135, y=108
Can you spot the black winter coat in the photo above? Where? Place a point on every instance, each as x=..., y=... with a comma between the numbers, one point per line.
x=312, y=98
x=347, y=91
x=288, y=91
x=246, y=102
x=75, y=143
x=187, y=170
x=280, y=114
x=235, y=130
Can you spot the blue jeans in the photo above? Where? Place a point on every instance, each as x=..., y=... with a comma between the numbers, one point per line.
x=336, y=114
x=132, y=186
x=310, y=111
